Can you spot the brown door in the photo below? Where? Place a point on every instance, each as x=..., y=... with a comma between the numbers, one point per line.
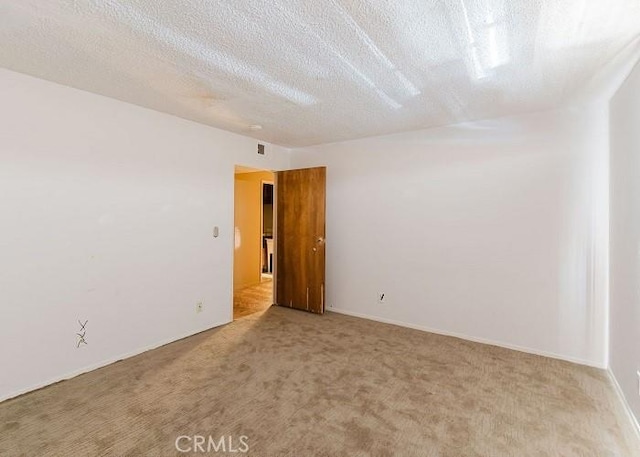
x=300, y=244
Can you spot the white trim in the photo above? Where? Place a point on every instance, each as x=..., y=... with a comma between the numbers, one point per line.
x=104, y=363
x=513, y=347
x=632, y=417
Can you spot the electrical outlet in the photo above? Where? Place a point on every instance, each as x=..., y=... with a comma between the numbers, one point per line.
x=199, y=307
x=382, y=298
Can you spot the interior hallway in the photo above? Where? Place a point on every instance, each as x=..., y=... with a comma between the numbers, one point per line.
x=253, y=299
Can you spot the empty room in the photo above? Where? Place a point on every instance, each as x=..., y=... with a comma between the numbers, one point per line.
x=320, y=228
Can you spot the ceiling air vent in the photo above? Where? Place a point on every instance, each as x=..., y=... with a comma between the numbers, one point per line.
x=261, y=149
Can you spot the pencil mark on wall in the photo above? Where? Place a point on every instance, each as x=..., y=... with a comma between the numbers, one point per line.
x=82, y=333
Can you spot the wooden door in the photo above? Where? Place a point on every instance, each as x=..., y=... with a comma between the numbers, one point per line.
x=300, y=239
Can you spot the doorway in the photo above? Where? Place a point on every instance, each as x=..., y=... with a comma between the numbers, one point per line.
x=267, y=231
x=279, y=240
x=253, y=258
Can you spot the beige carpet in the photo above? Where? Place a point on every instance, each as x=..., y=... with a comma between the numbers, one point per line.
x=253, y=299
x=298, y=384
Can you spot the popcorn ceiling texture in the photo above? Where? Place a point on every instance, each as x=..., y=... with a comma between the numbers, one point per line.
x=312, y=72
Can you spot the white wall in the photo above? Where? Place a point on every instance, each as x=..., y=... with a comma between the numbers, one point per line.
x=107, y=211
x=625, y=238
x=495, y=231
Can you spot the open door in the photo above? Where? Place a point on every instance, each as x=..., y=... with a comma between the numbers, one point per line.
x=300, y=239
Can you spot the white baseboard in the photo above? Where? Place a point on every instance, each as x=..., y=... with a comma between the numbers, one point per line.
x=501, y=344
x=632, y=417
x=104, y=363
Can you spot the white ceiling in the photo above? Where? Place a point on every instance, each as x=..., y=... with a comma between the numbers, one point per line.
x=317, y=71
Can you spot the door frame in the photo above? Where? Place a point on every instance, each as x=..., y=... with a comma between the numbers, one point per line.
x=276, y=191
x=233, y=231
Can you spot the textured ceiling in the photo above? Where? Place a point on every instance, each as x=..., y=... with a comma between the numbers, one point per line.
x=317, y=71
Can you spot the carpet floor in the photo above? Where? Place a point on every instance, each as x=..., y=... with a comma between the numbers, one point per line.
x=288, y=383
